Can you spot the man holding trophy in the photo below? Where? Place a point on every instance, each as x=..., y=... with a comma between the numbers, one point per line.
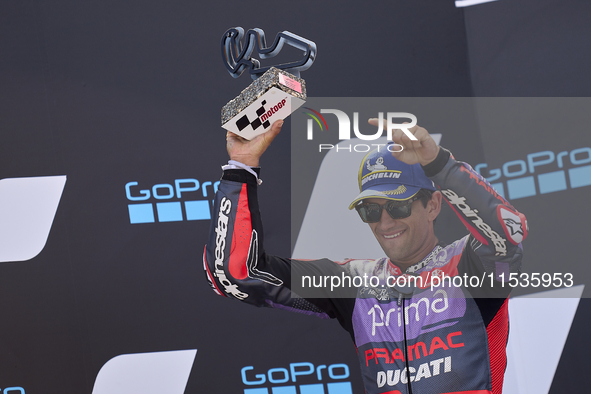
x=413, y=330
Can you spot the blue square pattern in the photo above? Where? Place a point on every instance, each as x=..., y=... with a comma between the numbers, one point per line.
x=140, y=213
x=521, y=187
x=284, y=390
x=500, y=188
x=580, y=176
x=262, y=390
x=339, y=388
x=197, y=210
x=169, y=211
x=312, y=389
x=552, y=182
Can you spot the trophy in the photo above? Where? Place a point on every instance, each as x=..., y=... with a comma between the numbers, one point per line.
x=277, y=91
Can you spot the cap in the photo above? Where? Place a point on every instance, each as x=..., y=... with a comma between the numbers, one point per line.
x=383, y=176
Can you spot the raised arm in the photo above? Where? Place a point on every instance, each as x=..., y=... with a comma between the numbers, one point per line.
x=234, y=260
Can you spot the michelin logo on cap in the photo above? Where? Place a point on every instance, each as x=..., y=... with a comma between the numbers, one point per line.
x=389, y=178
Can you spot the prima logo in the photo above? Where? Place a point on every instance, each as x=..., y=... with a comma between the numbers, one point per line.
x=345, y=127
x=436, y=305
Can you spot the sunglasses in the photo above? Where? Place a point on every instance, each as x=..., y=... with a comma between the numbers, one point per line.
x=372, y=212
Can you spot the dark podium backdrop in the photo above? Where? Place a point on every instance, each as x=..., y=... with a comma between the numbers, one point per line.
x=101, y=276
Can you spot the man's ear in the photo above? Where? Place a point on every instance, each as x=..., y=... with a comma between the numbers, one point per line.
x=434, y=205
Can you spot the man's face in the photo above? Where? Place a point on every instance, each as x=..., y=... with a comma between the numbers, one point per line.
x=407, y=241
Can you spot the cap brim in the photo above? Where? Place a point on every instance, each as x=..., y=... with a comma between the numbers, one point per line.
x=388, y=192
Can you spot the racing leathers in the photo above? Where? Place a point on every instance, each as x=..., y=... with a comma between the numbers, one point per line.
x=441, y=326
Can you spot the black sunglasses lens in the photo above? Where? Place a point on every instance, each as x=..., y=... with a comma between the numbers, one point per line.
x=398, y=212
x=370, y=213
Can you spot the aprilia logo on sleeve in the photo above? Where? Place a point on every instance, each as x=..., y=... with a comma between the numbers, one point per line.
x=27, y=210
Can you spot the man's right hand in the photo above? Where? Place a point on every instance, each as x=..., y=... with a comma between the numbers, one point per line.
x=423, y=151
x=249, y=152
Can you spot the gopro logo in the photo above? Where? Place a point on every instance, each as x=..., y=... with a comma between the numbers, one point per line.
x=27, y=210
x=167, y=210
x=333, y=385
x=525, y=179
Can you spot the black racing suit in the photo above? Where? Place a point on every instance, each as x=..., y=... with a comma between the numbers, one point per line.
x=423, y=334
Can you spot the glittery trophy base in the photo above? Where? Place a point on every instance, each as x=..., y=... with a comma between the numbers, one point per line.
x=273, y=77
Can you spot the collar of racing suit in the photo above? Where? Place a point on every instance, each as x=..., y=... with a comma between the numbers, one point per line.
x=395, y=270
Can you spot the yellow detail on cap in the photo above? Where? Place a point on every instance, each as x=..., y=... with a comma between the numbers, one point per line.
x=362, y=197
x=399, y=190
